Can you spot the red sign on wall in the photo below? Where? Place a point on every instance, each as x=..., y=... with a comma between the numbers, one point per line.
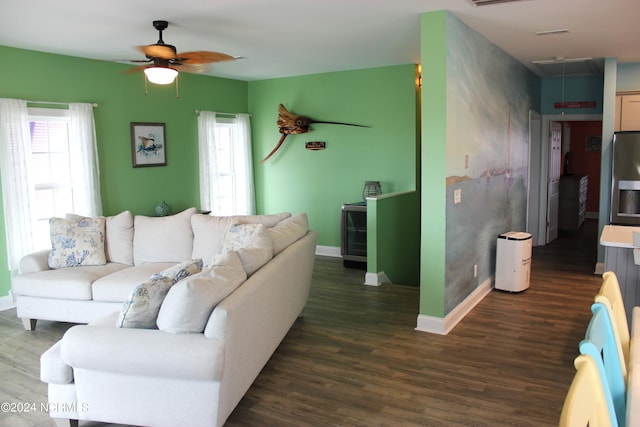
x=575, y=104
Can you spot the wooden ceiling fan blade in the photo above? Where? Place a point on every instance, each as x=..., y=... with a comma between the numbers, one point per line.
x=192, y=68
x=136, y=69
x=158, y=51
x=202, y=57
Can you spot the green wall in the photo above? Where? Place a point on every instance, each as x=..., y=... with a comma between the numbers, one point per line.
x=320, y=182
x=393, y=237
x=433, y=51
x=122, y=100
x=295, y=179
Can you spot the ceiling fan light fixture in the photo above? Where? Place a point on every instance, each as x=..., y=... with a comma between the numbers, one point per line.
x=161, y=75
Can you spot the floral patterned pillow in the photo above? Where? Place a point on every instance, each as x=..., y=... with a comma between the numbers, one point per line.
x=76, y=243
x=180, y=271
x=252, y=242
x=141, y=309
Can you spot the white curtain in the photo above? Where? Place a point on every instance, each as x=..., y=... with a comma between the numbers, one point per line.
x=15, y=164
x=243, y=203
x=83, y=153
x=244, y=166
x=17, y=189
x=206, y=158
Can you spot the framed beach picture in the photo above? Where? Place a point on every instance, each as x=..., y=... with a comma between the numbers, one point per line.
x=148, y=144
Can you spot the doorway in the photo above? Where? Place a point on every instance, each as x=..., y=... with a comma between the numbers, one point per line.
x=578, y=145
x=554, y=143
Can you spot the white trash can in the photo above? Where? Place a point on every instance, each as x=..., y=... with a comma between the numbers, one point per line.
x=513, y=261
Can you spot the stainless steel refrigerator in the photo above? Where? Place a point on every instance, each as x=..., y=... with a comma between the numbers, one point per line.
x=625, y=181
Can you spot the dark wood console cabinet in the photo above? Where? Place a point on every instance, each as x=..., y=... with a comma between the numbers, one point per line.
x=573, y=201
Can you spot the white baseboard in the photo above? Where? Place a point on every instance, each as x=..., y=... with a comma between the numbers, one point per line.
x=332, y=251
x=7, y=303
x=376, y=279
x=442, y=326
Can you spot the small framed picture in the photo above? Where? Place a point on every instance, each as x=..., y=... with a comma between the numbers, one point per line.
x=148, y=144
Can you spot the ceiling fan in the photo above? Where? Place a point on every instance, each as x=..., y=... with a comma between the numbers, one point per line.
x=165, y=62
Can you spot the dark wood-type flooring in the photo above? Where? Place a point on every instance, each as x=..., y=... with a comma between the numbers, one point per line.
x=354, y=359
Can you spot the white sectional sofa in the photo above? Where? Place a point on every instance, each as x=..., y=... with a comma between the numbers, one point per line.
x=168, y=377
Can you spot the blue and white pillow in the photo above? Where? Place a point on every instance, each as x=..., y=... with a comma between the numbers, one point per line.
x=76, y=243
x=180, y=271
x=141, y=309
x=252, y=242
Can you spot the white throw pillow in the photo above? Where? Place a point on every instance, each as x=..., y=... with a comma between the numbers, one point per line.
x=208, y=233
x=252, y=242
x=288, y=231
x=118, y=241
x=118, y=244
x=188, y=305
x=163, y=239
x=76, y=243
x=141, y=309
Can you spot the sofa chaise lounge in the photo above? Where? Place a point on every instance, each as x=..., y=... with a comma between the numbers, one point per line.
x=165, y=377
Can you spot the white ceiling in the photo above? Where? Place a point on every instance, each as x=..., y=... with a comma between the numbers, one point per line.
x=281, y=38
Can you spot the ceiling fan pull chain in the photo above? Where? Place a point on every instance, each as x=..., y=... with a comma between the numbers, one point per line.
x=146, y=88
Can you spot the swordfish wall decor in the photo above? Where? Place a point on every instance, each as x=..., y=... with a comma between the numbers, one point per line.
x=292, y=124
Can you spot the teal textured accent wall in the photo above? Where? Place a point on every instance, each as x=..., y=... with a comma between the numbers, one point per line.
x=571, y=89
x=476, y=102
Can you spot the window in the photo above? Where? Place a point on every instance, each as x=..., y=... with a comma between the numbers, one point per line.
x=50, y=170
x=225, y=201
x=226, y=175
x=49, y=166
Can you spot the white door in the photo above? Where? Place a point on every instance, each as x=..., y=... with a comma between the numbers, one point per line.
x=553, y=182
x=533, y=185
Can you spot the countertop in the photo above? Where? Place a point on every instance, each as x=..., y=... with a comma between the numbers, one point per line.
x=619, y=236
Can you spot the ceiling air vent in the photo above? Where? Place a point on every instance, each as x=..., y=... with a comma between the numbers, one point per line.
x=490, y=2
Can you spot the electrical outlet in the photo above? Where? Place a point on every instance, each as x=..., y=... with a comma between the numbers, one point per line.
x=475, y=270
x=457, y=196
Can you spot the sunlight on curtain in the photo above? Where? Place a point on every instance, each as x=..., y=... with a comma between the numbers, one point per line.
x=225, y=164
x=17, y=190
x=245, y=204
x=206, y=162
x=83, y=152
x=16, y=163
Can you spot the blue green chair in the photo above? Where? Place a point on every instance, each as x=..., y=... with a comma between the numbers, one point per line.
x=600, y=343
